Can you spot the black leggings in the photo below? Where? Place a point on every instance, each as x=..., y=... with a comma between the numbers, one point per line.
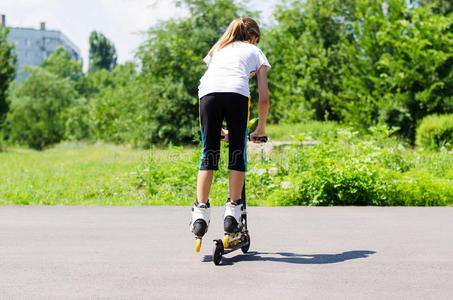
x=214, y=108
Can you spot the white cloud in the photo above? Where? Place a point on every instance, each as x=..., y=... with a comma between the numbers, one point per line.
x=32, y=11
x=130, y=17
x=139, y=15
x=28, y=3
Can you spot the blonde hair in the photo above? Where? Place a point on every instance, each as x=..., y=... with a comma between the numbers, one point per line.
x=240, y=29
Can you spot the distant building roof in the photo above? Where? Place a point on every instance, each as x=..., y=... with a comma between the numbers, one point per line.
x=62, y=35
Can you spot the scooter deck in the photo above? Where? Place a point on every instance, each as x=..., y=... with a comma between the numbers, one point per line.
x=231, y=249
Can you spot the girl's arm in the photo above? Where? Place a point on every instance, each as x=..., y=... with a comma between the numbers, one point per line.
x=263, y=103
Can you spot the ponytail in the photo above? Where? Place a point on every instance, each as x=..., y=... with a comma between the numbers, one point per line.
x=240, y=29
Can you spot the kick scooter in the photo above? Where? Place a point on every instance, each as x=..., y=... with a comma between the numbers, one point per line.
x=236, y=240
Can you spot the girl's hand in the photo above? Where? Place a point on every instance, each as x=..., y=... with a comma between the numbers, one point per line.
x=257, y=133
x=224, y=134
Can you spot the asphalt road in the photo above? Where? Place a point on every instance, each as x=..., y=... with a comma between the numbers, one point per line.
x=296, y=253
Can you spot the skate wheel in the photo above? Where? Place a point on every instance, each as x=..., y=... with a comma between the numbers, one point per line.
x=245, y=248
x=226, y=238
x=197, y=245
x=217, y=254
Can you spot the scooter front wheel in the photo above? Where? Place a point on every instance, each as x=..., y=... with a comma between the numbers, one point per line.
x=217, y=253
x=245, y=248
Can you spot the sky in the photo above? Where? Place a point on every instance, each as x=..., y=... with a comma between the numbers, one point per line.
x=120, y=20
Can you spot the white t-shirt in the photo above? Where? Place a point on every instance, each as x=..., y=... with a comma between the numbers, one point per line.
x=230, y=68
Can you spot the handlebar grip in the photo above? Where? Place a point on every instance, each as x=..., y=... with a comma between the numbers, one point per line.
x=259, y=138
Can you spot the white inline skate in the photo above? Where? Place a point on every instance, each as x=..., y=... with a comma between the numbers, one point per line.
x=199, y=223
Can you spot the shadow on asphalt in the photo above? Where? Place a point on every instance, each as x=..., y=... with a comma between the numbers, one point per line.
x=293, y=258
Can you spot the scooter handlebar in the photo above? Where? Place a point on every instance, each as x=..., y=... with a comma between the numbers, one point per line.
x=258, y=138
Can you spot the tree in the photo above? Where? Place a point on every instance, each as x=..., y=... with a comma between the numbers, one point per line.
x=400, y=66
x=7, y=70
x=38, y=108
x=113, y=113
x=102, y=54
x=307, y=50
x=61, y=64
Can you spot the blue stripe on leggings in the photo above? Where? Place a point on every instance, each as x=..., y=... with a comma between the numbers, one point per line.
x=202, y=148
x=245, y=149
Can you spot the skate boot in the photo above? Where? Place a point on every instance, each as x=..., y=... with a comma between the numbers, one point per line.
x=232, y=218
x=199, y=222
x=232, y=223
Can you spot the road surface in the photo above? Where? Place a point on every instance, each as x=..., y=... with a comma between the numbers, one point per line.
x=296, y=253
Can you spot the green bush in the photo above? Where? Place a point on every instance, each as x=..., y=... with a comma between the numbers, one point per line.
x=370, y=170
x=344, y=169
x=435, y=131
x=2, y=142
x=76, y=124
x=420, y=188
x=38, y=109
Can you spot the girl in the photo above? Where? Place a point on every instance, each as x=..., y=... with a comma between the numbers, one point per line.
x=224, y=93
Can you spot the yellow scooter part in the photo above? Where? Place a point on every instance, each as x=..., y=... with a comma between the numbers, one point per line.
x=226, y=238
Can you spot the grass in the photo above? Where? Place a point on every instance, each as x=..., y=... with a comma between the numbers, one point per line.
x=71, y=174
x=344, y=169
x=287, y=132
x=101, y=174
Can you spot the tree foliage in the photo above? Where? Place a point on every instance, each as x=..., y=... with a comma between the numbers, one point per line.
x=307, y=54
x=61, y=64
x=7, y=71
x=400, y=66
x=112, y=113
x=443, y=7
x=102, y=54
x=361, y=62
x=38, y=108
